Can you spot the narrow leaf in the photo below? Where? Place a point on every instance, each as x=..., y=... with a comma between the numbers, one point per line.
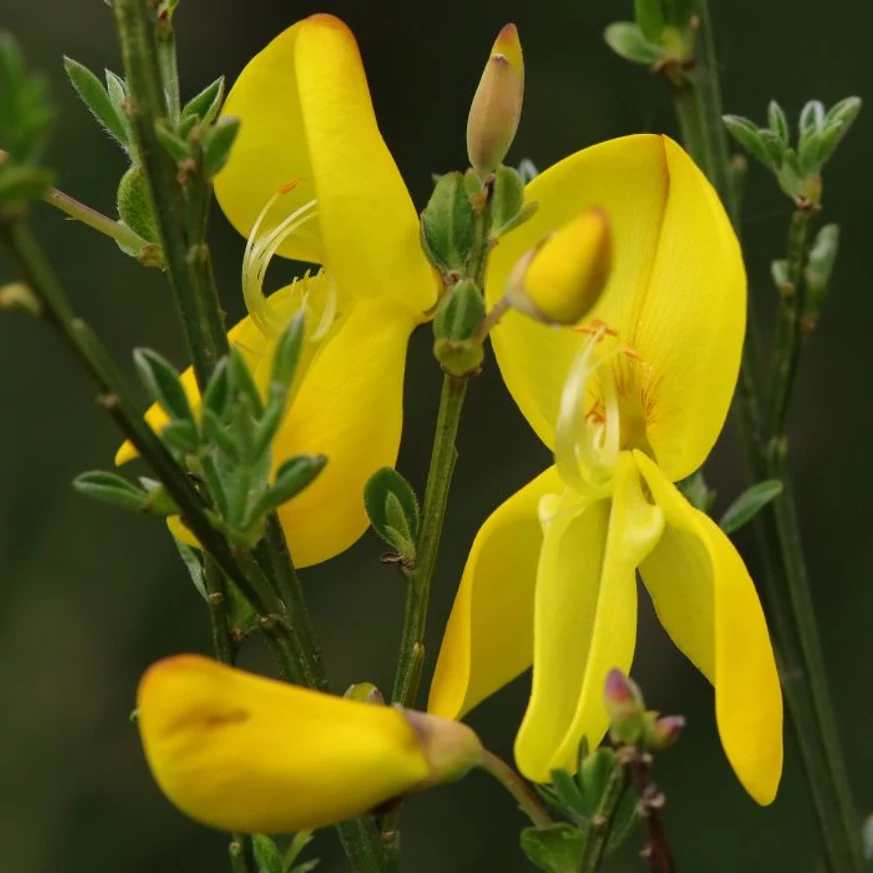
x=110, y=488
x=287, y=353
x=778, y=122
x=650, y=19
x=205, y=105
x=98, y=101
x=267, y=854
x=217, y=144
x=748, y=136
x=749, y=504
x=163, y=383
x=628, y=42
x=392, y=507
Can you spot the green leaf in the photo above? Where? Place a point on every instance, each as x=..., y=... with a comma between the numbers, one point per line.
x=174, y=145
x=193, y=564
x=181, y=435
x=270, y=421
x=218, y=435
x=749, y=504
x=217, y=396
x=811, y=118
x=778, y=122
x=205, y=105
x=163, y=383
x=460, y=312
x=567, y=792
x=158, y=500
x=448, y=225
x=650, y=19
x=392, y=508
x=837, y=124
x=295, y=848
x=555, y=849
x=243, y=383
x=697, y=492
x=625, y=819
x=759, y=143
x=135, y=204
x=628, y=42
x=98, y=101
x=110, y=488
x=594, y=775
x=287, y=353
x=819, y=268
x=527, y=169
x=217, y=144
x=507, y=201
x=291, y=478
x=267, y=854
x=25, y=112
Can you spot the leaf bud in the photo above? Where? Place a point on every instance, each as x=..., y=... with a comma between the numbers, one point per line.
x=560, y=282
x=448, y=225
x=496, y=107
x=460, y=312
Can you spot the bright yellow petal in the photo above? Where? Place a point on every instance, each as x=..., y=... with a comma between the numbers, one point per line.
x=307, y=118
x=677, y=295
x=349, y=407
x=489, y=637
x=585, y=617
x=708, y=605
x=627, y=178
x=248, y=754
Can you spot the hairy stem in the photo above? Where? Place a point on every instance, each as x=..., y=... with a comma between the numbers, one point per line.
x=527, y=800
x=439, y=479
x=196, y=299
x=785, y=577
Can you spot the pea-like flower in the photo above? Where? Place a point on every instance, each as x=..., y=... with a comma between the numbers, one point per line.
x=244, y=753
x=630, y=402
x=310, y=178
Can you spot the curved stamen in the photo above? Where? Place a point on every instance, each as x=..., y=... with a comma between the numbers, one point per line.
x=259, y=251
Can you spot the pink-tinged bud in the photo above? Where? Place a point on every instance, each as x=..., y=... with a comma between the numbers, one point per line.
x=496, y=107
x=665, y=732
x=365, y=692
x=623, y=696
x=450, y=748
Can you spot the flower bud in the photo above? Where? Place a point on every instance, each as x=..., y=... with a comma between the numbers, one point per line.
x=450, y=748
x=17, y=297
x=664, y=732
x=496, y=107
x=364, y=692
x=560, y=281
x=626, y=709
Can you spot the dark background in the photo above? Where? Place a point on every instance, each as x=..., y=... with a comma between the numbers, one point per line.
x=90, y=596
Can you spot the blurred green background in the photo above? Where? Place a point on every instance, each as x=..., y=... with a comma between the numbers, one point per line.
x=91, y=596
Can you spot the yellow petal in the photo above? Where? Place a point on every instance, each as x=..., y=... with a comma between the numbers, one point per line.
x=349, y=407
x=489, y=637
x=307, y=119
x=676, y=294
x=243, y=753
x=585, y=617
x=708, y=605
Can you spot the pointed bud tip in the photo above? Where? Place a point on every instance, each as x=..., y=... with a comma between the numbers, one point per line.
x=560, y=282
x=508, y=46
x=666, y=731
x=450, y=748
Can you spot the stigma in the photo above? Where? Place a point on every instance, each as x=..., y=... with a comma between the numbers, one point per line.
x=601, y=411
x=315, y=291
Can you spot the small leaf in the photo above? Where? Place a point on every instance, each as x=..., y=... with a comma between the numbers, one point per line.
x=837, y=124
x=527, y=169
x=217, y=394
x=749, y=504
x=650, y=19
x=389, y=497
x=174, y=145
x=204, y=106
x=448, y=225
x=625, y=819
x=778, y=122
x=292, y=477
x=507, y=200
x=287, y=353
x=295, y=848
x=134, y=202
x=819, y=268
x=163, y=383
x=628, y=42
x=97, y=99
x=555, y=849
x=567, y=792
x=218, y=434
x=217, y=144
x=460, y=312
x=243, y=383
x=594, y=775
x=270, y=421
x=181, y=435
x=753, y=140
x=267, y=854
x=110, y=488
x=811, y=118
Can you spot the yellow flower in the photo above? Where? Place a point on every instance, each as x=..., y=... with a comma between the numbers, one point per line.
x=243, y=753
x=629, y=405
x=310, y=178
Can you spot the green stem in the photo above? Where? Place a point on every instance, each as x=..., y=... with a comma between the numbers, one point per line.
x=196, y=298
x=601, y=823
x=216, y=594
x=785, y=578
x=527, y=800
x=168, y=64
x=116, y=230
x=239, y=861
x=788, y=334
x=439, y=480
x=360, y=837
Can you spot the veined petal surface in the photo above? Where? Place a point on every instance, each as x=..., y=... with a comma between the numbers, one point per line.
x=676, y=295
x=243, y=753
x=708, y=605
x=489, y=637
x=585, y=616
x=308, y=120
